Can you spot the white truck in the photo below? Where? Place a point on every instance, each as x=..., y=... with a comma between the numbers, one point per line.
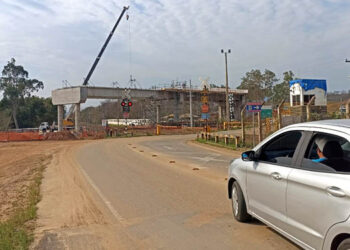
x=44, y=127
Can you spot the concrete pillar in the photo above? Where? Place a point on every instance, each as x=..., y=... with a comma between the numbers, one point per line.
x=226, y=139
x=60, y=117
x=236, y=141
x=182, y=97
x=191, y=113
x=301, y=97
x=177, y=107
x=219, y=112
x=77, y=117
x=158, y=119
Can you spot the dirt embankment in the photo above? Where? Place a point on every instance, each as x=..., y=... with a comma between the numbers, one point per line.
x=19, y=162
x=66, y=202
x=71, y=214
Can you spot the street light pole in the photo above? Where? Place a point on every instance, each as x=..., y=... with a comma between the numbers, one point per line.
x=227, y=103
x=191, y=115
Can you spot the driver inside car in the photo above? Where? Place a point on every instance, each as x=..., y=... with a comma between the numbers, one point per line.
x=320, y=143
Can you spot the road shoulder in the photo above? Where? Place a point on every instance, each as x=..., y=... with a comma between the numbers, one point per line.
x=71, y=215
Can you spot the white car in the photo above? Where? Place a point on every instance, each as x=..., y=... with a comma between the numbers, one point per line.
x=297, y=181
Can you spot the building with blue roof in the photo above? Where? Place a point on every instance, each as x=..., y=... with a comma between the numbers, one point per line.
x=302, y=90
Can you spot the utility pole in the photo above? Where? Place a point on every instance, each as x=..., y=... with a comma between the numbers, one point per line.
x=191, y=116
x=227, y=104
x=347, y=105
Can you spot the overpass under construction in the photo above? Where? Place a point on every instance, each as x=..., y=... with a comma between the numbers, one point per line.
x=79, y=94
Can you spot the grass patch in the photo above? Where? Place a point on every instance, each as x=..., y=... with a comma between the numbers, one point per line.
x=17, y=231
x=221, y=144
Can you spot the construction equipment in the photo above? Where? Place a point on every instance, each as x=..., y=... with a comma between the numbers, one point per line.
x=87, y=78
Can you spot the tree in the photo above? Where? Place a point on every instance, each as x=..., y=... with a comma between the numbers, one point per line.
x=36, y=110
x=16, y=86
x=269, y=79
x=281, y=90
x=259, y=85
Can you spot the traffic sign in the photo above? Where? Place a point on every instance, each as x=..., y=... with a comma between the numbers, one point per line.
x=205, y=108
x=204, y=99
x=266, y=112
x=205, y=116
x=253, y=106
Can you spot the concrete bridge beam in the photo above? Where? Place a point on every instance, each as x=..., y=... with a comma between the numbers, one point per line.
x=79, y=94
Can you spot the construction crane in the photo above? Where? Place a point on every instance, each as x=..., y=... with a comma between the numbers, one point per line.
x=67, y=121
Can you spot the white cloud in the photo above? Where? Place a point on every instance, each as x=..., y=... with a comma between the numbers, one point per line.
x=59, y=39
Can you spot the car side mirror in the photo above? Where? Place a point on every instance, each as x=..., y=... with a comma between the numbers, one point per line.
x=249, y=156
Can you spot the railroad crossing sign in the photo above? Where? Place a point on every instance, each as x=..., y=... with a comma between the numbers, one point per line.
x=253, y=107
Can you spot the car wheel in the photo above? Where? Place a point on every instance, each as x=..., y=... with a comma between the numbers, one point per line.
x=239, y=208
x=344, y=245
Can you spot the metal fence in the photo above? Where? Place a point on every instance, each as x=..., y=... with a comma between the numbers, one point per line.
x=254, y=128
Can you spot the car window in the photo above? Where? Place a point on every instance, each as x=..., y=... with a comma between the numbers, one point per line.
x=281, y=149
x=327, y=153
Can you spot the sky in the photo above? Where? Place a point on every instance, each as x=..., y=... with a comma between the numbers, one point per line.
x=164, y=40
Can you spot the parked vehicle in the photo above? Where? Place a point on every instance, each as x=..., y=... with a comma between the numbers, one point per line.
x=44, y=127
x=297, y=181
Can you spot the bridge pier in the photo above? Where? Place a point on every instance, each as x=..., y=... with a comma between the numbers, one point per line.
x=60, y=117
x=158, y=119
x=77, y=117
x=177, y=107
x=219, y=113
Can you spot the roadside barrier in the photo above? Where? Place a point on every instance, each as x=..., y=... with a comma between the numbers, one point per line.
x=217, y=138
x=20, y=136
x=166, y=130
x=11, y=136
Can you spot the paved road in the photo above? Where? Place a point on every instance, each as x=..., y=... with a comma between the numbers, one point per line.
x=168, y=194
x=182, y=148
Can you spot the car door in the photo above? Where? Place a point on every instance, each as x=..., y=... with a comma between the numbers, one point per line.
x=267, y=177
x=317, y=195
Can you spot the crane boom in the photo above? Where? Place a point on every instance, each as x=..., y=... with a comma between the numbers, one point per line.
x=86, y=81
